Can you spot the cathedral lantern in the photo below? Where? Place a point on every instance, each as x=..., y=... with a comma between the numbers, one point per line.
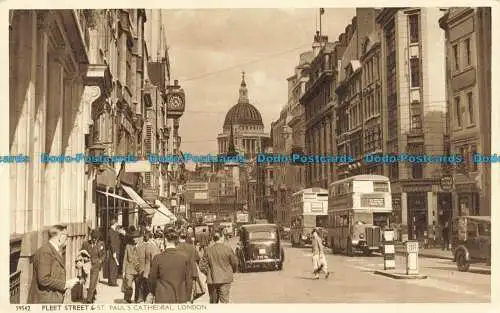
x=176, y=100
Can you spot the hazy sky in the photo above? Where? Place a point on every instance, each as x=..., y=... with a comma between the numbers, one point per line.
x=210, y=48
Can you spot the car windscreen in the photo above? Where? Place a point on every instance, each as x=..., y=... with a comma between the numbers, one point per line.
x=262, y=235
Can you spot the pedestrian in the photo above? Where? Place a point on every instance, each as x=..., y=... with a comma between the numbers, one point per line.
x=146, y=251
x=190, y=251
x=95, y=248
x=130, y=265
x=218, y=264
x=113, y=244
x=318, y=256
x=49, y=283
x=80, y=292
x=446, y=236
x=190, y=234
x=204, y=239
x=171, y=273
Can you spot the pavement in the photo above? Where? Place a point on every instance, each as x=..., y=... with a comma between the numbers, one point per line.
x=352, y=280
x=107, y=294
x=435, y=253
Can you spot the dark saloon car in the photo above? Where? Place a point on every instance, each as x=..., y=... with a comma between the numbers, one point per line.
x=260, y=247
x=471, y=241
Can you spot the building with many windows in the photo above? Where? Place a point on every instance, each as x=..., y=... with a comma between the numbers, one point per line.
x=76, y=88
x=288, y=137
x=468, y=55
x=318, y=102
x=358, y=93
x=414, y=93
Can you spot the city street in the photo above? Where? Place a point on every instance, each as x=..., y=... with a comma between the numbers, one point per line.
x=352, y=281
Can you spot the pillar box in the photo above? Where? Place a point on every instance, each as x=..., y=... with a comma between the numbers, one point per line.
x=411, y=257
x=389, y=251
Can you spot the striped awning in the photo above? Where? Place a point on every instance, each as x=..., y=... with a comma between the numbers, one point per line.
x=163, y=215
x=140, y=201
x=109, y=194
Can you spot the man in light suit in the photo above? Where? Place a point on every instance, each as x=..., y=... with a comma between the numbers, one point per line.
x=49, y=272
x=171, y=274
x=218, y=264
x=146, y=251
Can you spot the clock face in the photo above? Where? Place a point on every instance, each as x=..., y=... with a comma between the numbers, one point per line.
x=175, y=101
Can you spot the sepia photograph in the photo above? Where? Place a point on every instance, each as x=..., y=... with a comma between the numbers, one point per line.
x=249, y=156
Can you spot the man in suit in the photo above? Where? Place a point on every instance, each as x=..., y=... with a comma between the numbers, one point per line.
x=190, y=251
x=204, y=239
x=113, y=244
x=218, y=264
x=95, y=248
x=146, y=251
x=49, y=272
x=131, y=267
x=171, y=274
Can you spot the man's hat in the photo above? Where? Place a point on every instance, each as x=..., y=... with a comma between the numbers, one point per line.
x=84, y=253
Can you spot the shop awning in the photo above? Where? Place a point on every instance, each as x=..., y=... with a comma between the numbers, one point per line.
x=109, y=194
x=163, y=215
x=137, y=199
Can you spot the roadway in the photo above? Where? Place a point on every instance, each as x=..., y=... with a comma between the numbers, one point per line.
x=352, y=280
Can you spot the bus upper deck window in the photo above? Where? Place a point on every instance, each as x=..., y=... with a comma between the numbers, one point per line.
x=380, y=187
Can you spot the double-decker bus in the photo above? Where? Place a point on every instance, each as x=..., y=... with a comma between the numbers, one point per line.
x=309, y=210
x=359, y=208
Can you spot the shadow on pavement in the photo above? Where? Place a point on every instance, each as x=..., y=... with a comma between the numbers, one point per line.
x=472, y=270
x=304, y=278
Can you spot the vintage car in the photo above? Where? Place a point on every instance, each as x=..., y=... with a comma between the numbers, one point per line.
x=471, y=241
x=260, y=247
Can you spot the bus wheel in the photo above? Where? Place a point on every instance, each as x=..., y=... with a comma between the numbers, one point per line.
x=368, y=252
x=349, y=247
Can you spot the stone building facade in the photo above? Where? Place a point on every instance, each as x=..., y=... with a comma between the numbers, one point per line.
x=468, y=78
x=414, y=93
x=318, y=102
x=76, y=88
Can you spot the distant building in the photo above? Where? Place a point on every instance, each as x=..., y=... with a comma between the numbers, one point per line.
x=288, y=136
x=245, y=121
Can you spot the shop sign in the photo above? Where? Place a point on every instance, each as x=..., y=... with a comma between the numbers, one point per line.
x=447, y=183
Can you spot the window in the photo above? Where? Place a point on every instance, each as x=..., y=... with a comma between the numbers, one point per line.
x=415, y=72
x=467, y=52
x=416, y=117
x=458, y=112
x=414, y=29
x=473, y=165
x=380, y=187
x=456, y=57
x=470, y=105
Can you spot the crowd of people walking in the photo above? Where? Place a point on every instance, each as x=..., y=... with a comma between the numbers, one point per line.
x=158, y=265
